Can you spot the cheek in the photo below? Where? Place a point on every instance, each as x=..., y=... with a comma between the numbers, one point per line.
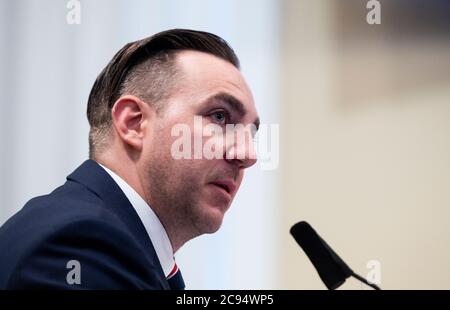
x=183, y=172
x=161, y=143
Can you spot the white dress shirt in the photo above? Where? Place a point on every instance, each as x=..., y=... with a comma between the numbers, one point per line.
x=153, y=226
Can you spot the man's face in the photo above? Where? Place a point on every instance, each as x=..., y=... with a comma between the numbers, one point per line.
x=195, y=193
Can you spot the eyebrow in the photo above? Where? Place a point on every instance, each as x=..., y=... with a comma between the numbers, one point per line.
x=234, y=104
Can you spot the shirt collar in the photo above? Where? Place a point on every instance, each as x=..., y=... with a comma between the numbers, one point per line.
x=151, y=222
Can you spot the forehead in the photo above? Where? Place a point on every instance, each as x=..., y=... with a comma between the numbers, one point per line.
x=204, y=74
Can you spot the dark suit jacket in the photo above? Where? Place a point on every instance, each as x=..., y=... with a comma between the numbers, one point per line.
x=88, y=219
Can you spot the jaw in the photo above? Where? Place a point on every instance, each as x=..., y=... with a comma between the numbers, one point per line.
x=208, y=217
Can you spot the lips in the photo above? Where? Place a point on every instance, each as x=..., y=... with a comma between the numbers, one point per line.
x=227, y=185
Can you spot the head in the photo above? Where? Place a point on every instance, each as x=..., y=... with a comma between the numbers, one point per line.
x=177, y=77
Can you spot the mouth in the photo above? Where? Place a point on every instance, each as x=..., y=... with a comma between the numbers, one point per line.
x=227, y=185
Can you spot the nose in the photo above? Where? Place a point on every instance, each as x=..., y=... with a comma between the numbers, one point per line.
x=240, y=148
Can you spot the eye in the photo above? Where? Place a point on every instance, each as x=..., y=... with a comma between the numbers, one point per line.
x=220, y=117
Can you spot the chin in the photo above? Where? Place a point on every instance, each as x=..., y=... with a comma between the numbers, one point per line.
x=212, y=229
x=211, y=220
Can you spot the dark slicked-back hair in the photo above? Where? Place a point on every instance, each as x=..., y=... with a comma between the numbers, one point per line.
x=146, y=69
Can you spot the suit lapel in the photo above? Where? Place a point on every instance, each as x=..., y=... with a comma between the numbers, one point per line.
x=96, y=179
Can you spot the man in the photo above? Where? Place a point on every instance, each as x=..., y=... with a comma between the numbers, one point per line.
x=120, y=217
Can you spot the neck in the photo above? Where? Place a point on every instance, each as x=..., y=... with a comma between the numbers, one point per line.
x=177, y=236
x=128, y=171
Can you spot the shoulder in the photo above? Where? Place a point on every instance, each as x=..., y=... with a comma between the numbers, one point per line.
x=71, y=224
x=106, y=257
x=43, y=215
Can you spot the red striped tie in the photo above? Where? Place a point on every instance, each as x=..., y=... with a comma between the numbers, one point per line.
x=175, y=279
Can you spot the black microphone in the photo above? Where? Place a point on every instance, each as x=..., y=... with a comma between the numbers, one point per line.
x=331, y=268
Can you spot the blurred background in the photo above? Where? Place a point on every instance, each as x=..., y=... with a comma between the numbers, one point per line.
x=363, y=111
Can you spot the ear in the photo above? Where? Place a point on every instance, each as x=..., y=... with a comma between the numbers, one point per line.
x=130, y=117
